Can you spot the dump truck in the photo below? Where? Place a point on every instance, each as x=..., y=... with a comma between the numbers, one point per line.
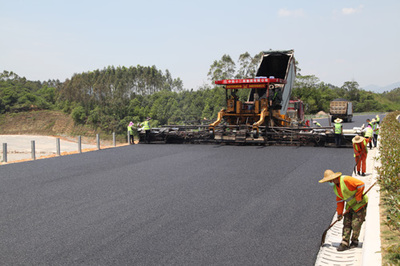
x=267, y=116
x=341, y=108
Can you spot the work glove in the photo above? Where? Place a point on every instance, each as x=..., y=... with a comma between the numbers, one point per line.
x=339, y=217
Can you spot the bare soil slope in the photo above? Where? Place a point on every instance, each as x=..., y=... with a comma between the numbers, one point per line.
x=39, y=123
x=49, y=123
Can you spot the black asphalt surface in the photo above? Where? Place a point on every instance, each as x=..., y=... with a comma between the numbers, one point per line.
x=169, y=205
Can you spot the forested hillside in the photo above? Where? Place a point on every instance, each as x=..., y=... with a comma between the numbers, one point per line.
x=111, y=97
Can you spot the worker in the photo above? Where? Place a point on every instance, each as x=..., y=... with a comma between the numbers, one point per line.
x=368, y=133
x=338, y=131
x=375, y=128
x=146, y=127
x=360, y=154
x=275, y=97
x=317, y=124
x=378, y=120
x=350, y=190
x=131, y=133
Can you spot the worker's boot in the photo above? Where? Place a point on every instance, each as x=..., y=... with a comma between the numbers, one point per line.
x=354, y=244
x=363, y=174
x=343, y=246
x=358, y=173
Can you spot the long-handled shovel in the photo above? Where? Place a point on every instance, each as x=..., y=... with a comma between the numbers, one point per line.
x=326, y=231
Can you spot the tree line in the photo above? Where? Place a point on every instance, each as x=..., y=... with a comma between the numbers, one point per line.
x=109, y=98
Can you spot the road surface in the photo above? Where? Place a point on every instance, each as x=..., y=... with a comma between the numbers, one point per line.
x=169, y=205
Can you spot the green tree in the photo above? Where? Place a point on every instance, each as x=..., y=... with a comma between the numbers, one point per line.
x=222, y=69
x=248, y=65
x=352, y=91
x=207, y=112
x=78, y=114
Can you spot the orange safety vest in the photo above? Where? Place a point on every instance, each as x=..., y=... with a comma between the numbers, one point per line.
x=362, y=146
x=350, y=196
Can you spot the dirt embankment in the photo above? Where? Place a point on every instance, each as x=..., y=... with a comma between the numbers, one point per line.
x=48, y=123
x=36, y=123
x=321, y=114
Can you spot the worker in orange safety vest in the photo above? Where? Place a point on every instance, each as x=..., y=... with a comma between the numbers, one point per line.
x=360, y=154
x=350, y=190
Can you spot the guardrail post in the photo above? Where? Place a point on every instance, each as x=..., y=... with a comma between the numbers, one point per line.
x=114, y=141
x=58, y=146
x=5, y=152
x=79, y=144
x=33, y=154
x=98, y=141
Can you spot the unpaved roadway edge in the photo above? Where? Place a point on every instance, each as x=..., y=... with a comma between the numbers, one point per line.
x=19, y=147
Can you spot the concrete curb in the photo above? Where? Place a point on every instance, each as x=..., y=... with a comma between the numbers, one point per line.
x=372, y=248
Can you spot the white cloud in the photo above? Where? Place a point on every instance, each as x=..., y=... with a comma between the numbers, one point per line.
x=351, y=10
x=283, y=12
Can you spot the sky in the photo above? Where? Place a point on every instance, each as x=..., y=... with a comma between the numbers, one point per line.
x=336, y=41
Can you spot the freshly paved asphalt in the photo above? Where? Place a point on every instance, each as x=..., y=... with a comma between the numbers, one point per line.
x=169, y=205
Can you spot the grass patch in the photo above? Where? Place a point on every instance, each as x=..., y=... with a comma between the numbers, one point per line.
x=389, y=239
